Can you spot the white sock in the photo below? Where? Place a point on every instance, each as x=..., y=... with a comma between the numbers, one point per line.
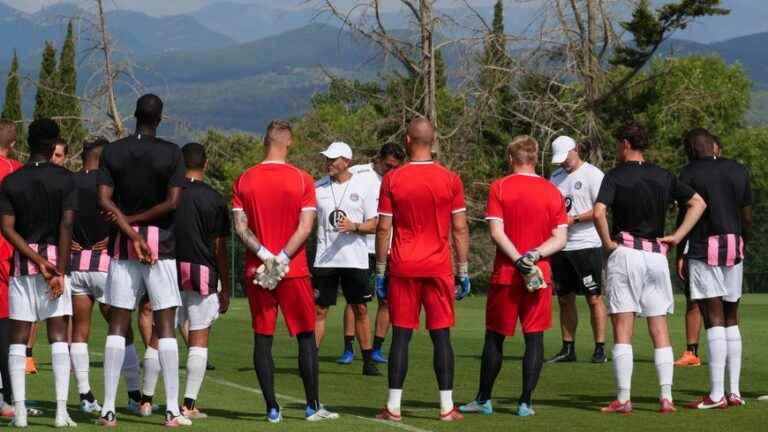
x=446, y=401
x=733, y=340
x=61, y=369
x=131, y=368
x=395, y=398
x=169, y=362
x=78, y=351
x=623, y=363
x=196, y=363
x=718, y=351
x=114, y=354
x=17, y=362
x=151, y=371
x=665, y=368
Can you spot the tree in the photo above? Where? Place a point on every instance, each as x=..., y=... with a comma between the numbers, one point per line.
x=68, y=106
x=12, y=107
x=47, y=85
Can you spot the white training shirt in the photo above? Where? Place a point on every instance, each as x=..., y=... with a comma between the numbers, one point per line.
x=580, y=189
x=353, y=199
x=373, y=179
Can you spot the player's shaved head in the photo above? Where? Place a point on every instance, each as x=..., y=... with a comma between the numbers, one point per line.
x=699, y=143
x=421, y=132
x=279, y=132
x=7, y=133
x=149, y=110
x=194, y=156
x=523, y=150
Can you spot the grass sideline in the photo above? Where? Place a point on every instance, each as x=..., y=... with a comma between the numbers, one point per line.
x=568, y=395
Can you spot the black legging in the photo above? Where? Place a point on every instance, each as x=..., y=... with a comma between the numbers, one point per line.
x=6, y=377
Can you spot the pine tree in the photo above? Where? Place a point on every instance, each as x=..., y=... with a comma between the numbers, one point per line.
x=46, y=99
x=495, y=82
x=68, y=105
x=12, y=106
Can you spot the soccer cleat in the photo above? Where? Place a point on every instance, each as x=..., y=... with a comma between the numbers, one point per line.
x=108, y=420
x=346, y=358
x=666, y=406
x=485, y=408
x=145, y=409
x=523, y=410
x=19, y=422
x=735, y=400
x=209, y=366
x=274, y=416
x=319, y=415
x=452, y=415
x=618, y=407
x=763, y=398
x=173, y=421
x=370, y=369
x=386, y=414
x=688, y=359
x=378, y=357
x=7, y=411
x=90, y=407
x=193, y=414
x=705, y=402
x=599, y=356
x=564, y=356
x=64, y=421
x=31, y=366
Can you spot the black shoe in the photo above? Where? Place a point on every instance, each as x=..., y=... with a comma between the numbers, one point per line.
x=209, y=366
x=564, y=356
x=599, y=355
x=370, y=369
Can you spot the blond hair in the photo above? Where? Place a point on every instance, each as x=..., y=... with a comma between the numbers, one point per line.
x=523, y=150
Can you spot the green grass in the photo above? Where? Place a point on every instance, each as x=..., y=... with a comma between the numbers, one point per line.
x=568, y=395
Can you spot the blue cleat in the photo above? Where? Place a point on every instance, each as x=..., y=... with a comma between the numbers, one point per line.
x=523, y=410
x=378, y=356
x=274, y=416
x=346, y=358
x=484, y=408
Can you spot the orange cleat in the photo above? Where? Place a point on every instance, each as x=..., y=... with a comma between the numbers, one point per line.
x=31, y=367
x=688, y=359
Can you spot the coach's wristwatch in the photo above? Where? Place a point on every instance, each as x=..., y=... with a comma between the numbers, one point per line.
x=576, y=219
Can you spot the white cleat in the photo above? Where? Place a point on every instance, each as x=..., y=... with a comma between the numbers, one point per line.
x=19, y=422
x=321, y=415
x=64, y=421
x=90, y=407
x=176, y=421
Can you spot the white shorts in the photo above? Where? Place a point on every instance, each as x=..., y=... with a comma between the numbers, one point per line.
x=29, y=301
x=128, y=281
x=708, y=281
x=638, y=281
x=90, y=283
x=200, y=311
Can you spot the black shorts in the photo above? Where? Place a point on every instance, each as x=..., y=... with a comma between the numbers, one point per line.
x=578, y=271
x=354, y=284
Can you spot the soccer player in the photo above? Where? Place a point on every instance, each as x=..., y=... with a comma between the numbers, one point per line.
x=140, y=181
x=60, y=152
x=528, y=222
x=578, y=269
x=87, y=280
x=714, y=250
x=202, y=229
x=7, y=166
x=421, y=206
x=390, y=156
x=639, y=194
x=38, y=204
x=346, y=213
x=273, y=211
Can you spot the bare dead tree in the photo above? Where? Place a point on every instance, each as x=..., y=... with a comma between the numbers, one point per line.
x=106, y=47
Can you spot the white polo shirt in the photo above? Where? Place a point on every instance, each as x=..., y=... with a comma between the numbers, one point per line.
x=354, y=200
x=580, y=189
x=373, y=179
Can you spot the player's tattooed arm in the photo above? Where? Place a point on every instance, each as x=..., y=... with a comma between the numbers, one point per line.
x=299, y=237
x=240, y=221
x=222, y=262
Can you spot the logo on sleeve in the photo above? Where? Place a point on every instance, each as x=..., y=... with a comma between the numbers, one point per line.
x=578, y=185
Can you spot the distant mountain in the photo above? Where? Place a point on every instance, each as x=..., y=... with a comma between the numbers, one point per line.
x=248, y=22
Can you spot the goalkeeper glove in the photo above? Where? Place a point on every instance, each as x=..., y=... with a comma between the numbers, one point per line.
x=527, y=261
x=463, y=283
x=534, y=280
x=380, y=281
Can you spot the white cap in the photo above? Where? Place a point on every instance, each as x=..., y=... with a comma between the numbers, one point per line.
x=338, y=149
x=560, y=148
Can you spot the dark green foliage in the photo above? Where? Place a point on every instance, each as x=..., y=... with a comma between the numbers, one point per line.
x=12, y=106
x=47, y=85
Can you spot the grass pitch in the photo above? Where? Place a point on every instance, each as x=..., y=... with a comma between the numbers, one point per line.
x=568, y=397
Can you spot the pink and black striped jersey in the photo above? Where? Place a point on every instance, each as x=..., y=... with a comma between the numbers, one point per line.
x=90, y=226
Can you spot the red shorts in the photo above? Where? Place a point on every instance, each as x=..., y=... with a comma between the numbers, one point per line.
x=506, y=302
x=296, y=300
x=406, y=296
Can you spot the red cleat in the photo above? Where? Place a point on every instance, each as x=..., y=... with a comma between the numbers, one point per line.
x=452, y=415
x=705, y=402
x=618, y=407
x=388, y=415
x=735, y=400
x=666, y=406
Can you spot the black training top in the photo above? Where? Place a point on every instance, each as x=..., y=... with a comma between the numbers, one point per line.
x=202, y=215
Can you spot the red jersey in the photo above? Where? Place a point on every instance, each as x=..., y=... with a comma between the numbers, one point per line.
x=421, y=198
x=7, y=166
x=530, y=208
x=273, y=195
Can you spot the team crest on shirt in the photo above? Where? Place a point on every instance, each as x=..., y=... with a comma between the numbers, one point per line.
x=354, y=197
x=577, y=186
x=568, y=203
x=336, y=217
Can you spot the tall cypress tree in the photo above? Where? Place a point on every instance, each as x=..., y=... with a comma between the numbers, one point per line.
x=47, y=84
x=12, y=106
x=495, y=81
x=68, y=105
